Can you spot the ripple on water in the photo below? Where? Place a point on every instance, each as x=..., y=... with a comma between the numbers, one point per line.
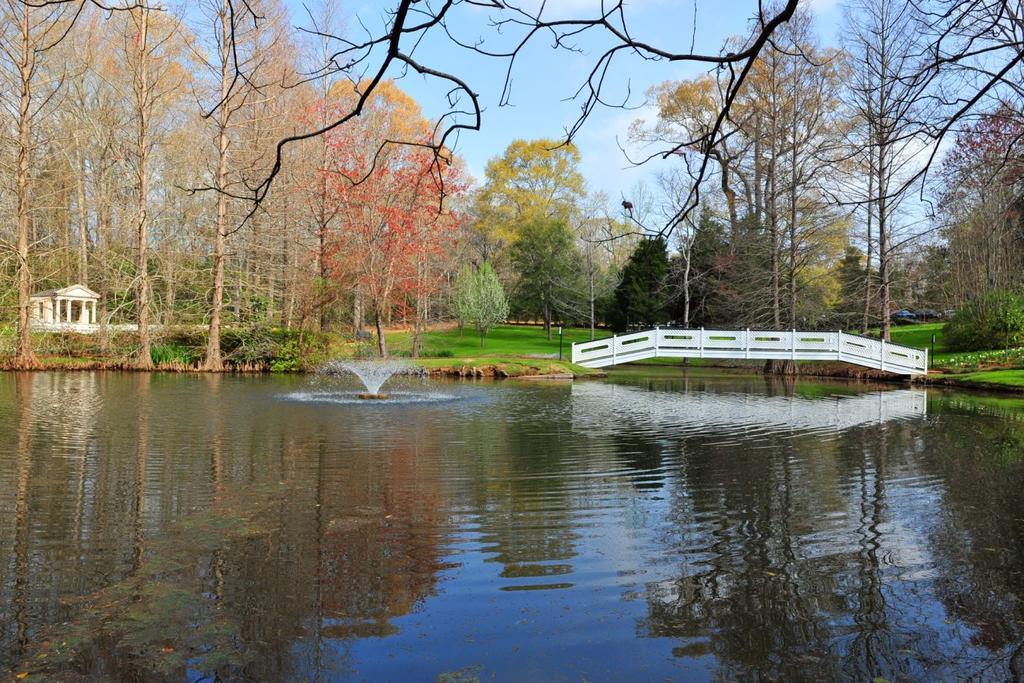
x=612, y=532
x=352, y=397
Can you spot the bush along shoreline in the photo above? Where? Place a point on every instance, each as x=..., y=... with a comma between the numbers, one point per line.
x=245, y=350
x=509, y=352
x=267, y=350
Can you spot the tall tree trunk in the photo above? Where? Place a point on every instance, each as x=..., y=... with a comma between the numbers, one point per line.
x=883, y=266
x=143, y=100
x=686, y=285
x=884, y=142
x=773, y=233
x=103, y=320
x=24, y=358
x=214, y=362
x=793, y=195
x=382, y=344
x=324, y=297
x=592, y=321
x=357, y=310
x=417, y=323
x=758, y=175
x=730, y=196
x=867, y=258
x=83, y=216
x=287, y=284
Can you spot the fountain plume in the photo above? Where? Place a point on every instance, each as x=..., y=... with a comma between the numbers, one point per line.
x=372, y=373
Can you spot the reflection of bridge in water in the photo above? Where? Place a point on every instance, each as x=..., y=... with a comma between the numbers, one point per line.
x=602, y=406
x=752, y=345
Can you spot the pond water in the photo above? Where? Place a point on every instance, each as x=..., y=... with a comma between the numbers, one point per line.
x=651, y=526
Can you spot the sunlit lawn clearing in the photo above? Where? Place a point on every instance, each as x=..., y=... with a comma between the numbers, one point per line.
x=503, y=340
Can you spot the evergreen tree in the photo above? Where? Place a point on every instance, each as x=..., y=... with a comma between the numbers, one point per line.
x=543, y=256
x=642, y=296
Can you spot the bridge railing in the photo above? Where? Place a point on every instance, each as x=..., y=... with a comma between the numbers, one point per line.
x=751, y=344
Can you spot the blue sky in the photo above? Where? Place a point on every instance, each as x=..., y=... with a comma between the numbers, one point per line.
x=543, y=77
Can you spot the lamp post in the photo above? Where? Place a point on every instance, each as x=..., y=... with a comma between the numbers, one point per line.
x=559, y=342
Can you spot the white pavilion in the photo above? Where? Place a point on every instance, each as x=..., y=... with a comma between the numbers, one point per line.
x=70, y=309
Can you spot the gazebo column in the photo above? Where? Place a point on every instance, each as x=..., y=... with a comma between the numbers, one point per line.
x=83, y=315
x=92, y=312
x=68, y=303
x=56, y=309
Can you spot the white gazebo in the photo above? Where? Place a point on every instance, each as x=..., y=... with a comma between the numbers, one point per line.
x=72, y=309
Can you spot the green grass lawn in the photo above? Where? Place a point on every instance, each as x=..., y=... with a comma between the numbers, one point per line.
x=920, y=336
x=1013, y=377
x=998, y=367
x=503, y=340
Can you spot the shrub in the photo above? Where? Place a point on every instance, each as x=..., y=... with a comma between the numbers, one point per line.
x=280, y=350
x=287, y=356
x=993, y=321
x=171, y=354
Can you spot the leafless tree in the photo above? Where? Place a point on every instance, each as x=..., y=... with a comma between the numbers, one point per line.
x=887, y=88
x=28, y=34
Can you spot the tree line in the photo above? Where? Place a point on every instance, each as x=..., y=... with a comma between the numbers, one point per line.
x=134, y=141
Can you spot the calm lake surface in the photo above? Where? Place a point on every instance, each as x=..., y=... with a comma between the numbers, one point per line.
x=650, y=527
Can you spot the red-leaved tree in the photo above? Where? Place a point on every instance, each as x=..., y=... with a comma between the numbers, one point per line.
x=394, y=225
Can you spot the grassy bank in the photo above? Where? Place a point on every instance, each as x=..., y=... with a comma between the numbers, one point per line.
x=1000, y=369
x=508, y=351
x=503, y=340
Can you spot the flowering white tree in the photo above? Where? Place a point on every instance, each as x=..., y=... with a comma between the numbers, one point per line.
x=479, y=299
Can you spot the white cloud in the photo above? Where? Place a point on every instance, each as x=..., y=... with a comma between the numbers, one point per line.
x=604, y=164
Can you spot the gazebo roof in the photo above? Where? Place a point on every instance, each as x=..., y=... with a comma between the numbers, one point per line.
x=72, y=291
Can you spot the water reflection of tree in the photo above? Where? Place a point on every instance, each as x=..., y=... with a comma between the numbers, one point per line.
x=523, y=477
x=381, y=542
x=769, y=588
x=42, y=469
x=978, y=542
x=874, y=650
x=766, y=588
x=234, y=542
x=746, y=594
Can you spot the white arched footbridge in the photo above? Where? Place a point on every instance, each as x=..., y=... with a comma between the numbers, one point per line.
x=752, y=345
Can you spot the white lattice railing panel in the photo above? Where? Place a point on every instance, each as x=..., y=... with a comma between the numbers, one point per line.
x=752, y=344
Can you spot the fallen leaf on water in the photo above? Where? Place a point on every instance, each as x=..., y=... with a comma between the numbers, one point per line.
x=21, y=674
x=167, y=649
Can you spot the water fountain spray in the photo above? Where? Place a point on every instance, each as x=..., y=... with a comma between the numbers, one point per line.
x=372, y=373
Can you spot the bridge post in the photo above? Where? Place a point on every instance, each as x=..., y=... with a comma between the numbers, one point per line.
x=656, y=341
x=700, y=343
x=881, y=356
x=746, y=343
x=839, y=345
x=613, y=349
x=792, y=345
